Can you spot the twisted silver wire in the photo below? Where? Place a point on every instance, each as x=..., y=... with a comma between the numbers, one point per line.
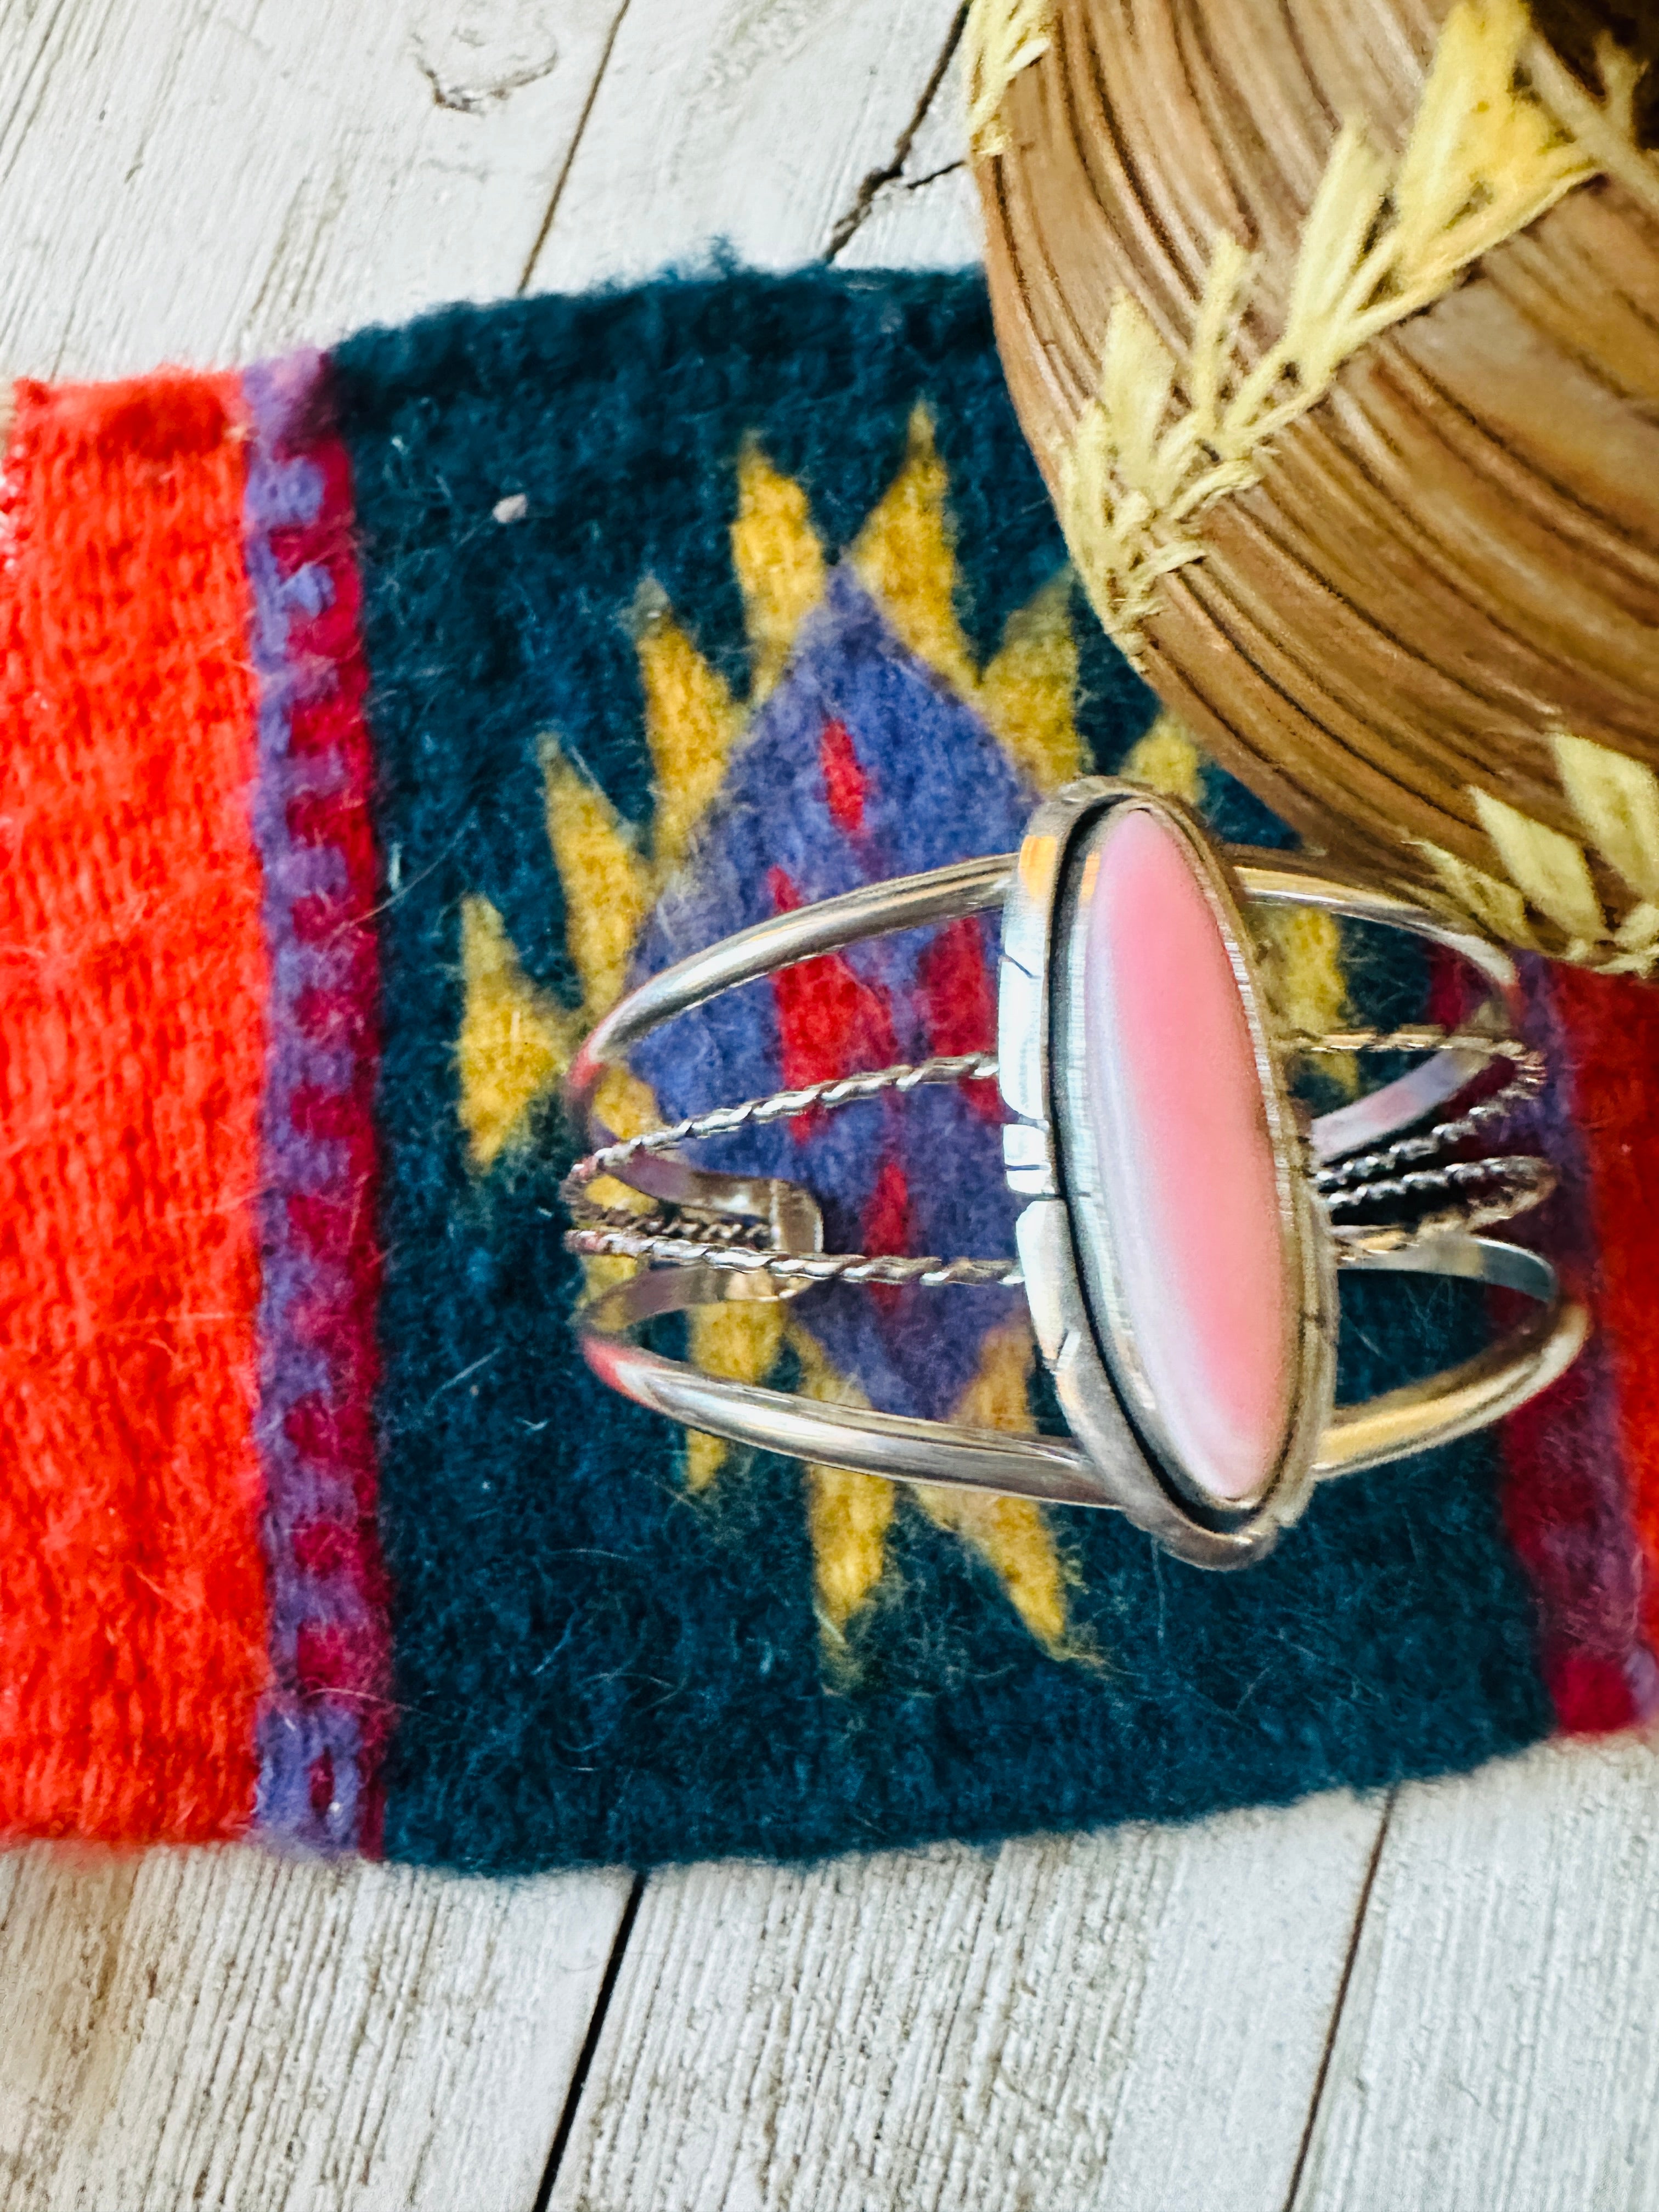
x=587, y=1212
x=651, y=1239
x=1527, y=1175
x=1410, y=1037
x=783, y=1106
x=658, y=1238
x=652, y=1244
x=1355, y=1239
x=1524, y=1182
x=1531, y=1075
x=981, y=1067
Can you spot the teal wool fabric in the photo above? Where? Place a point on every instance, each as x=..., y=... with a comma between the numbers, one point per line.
x=598, y=1660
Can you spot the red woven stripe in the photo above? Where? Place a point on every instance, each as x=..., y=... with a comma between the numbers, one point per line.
x=132, y=980
x=1611, y=1024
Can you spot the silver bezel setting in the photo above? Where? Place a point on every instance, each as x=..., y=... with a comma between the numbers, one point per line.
x=1078, y=1313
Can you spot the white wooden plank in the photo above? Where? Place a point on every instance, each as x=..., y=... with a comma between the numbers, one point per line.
x=750, y=122
x=1135, y=2019
x=1499, y=2045
x=927, y=215
x=206, y=180
x=221, y=2028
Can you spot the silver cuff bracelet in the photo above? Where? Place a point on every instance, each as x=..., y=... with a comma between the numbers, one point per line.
x=1181, y=1224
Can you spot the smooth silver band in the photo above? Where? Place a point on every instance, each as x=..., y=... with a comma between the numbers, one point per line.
x=1417, y=1416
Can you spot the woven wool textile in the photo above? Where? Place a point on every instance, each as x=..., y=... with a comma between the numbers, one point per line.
x=371, y=721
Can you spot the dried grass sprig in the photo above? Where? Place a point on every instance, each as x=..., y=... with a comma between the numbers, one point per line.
x=1000, y=39
x=1163, y=439
x=1548, y=879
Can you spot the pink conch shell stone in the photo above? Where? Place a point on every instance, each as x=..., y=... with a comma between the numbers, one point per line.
x=1187, y=1166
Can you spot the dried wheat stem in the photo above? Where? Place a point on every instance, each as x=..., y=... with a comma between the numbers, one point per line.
x=1001, y=38
x=1163, y=439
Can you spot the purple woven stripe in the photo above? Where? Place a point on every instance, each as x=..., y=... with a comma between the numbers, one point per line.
x=323, y=1721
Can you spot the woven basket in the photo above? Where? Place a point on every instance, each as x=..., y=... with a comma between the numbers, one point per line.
x=1334, y=324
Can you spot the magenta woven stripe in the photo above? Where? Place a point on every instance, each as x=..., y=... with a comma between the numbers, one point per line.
x=324, y=1725
x=1567, y=1501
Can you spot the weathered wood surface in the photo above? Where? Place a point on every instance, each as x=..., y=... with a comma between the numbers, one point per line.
x=925, y=214
x=1129, y=2021
x=1236, y=2015
x=225, y=2029
x=767, y=130
x=1499, y=2039
x=205, y=180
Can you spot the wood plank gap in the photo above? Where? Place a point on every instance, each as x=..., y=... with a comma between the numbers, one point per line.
x=841, y=236
x=563, y=178
x=591, y=2041
x=920, y=184
x=1360, y=1909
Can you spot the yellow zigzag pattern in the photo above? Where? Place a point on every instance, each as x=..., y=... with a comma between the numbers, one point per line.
x=516, y=1040
x=1548, y=875
x=849, y=1515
